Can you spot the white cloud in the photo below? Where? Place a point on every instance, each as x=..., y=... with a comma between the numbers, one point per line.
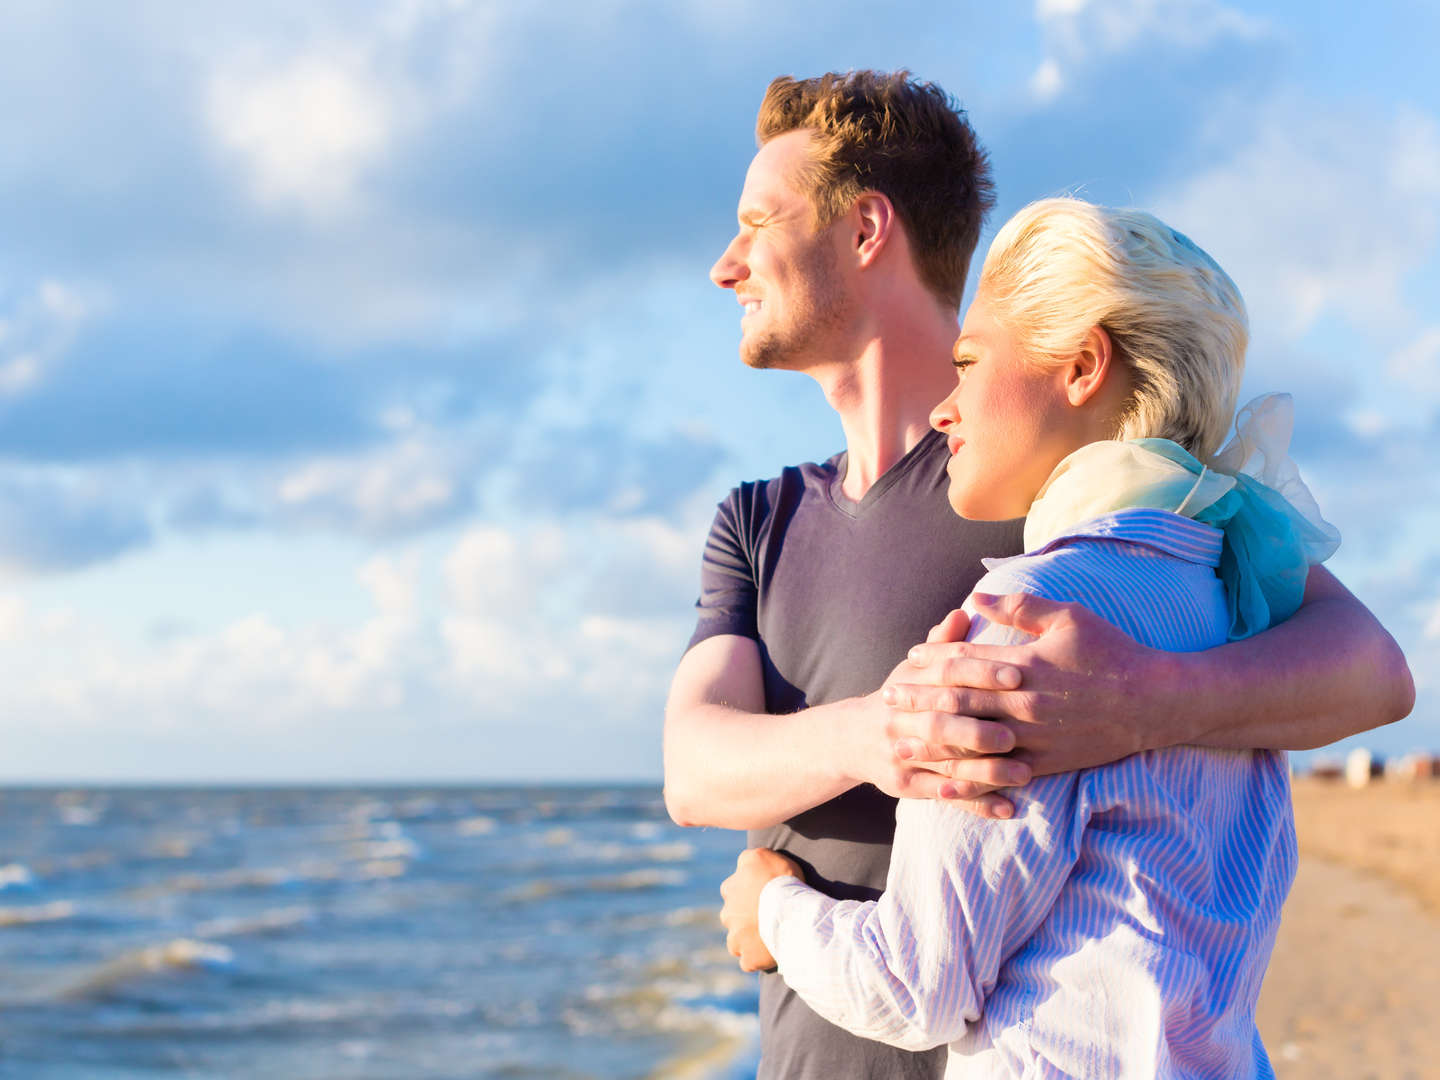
x=408, y=484
x=1085, y=29
x=1319, y=215
x=12, y=617
x=507, y=632
x=1432, y=624
x=1418, y=363
x=392, y=584
x=305, y=131
x=1047, y=82
x=39, y=327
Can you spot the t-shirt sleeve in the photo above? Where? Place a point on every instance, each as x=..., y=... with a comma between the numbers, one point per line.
x=728, y=593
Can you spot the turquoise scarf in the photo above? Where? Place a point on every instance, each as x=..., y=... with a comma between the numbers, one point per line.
x=1252, y=492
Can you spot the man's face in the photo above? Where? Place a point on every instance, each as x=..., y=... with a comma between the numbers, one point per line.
x=784, y=272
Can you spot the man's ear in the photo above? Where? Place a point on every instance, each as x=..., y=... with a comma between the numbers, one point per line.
x=875, y=220
x=1091, y=368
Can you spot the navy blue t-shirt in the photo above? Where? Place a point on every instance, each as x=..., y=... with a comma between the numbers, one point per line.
x=836, y=592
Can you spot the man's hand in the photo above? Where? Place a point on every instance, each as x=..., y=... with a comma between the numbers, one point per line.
x=1076, y=707
x=741, y=914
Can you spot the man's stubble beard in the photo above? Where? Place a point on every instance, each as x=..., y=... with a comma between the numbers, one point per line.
x=816, y=314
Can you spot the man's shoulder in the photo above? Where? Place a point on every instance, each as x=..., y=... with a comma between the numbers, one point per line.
x=751, y=497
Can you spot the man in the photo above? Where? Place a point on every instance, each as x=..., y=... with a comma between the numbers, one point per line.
x=858, y=218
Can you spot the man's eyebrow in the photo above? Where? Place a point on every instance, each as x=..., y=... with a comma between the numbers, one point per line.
x=753, y=215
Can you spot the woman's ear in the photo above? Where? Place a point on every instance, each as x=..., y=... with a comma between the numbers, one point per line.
x=875, y=220
x=1092, y=368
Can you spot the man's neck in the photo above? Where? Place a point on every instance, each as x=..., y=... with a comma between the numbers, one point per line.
x=884, y=396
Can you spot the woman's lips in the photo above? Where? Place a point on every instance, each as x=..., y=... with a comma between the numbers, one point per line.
x=954, y=442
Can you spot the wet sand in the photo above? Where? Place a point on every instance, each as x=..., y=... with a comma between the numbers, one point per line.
x=1354, y=985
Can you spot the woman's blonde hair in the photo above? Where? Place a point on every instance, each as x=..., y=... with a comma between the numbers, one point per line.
x=1062, y=266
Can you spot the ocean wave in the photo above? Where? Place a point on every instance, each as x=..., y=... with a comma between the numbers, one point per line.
x=55, y=911
x=16, y=876
x=679, y=851
x=52, y=865
x=378, y=869
x=715, y=1039
x=174, y=846
x=634, y=880
x=475, y=826
x=389, y=848
x=276, y=920
x=179, y=955
x=244, y=878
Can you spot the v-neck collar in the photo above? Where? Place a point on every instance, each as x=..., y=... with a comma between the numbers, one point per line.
x=888, y=479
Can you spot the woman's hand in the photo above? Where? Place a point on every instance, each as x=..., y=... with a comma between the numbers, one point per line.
x=740, y=916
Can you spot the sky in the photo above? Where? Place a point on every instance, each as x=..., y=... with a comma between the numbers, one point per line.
x=364, y=400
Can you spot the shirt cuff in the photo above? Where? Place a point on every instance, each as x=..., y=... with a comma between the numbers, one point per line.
x=772, y=899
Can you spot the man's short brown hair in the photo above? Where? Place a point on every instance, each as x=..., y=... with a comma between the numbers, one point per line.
x=908, y=140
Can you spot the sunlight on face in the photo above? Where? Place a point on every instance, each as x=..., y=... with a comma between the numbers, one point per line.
x=784, y=272
x=1008, y=422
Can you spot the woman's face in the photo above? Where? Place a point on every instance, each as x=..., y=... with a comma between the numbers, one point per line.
x=1008, y=422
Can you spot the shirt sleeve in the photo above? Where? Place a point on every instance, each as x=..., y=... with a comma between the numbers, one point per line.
x=913, y=969
x=728, y=593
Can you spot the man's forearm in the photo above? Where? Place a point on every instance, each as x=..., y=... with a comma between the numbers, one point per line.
x=742, y=770
x=1329, y=671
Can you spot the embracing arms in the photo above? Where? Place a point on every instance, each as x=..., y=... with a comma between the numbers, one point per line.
x=1090, y=694
x=1081, y=694
x=731, y=764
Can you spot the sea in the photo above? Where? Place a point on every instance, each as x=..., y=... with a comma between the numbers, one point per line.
x=564, y=933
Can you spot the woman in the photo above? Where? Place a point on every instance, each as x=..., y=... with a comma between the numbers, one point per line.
x=1120, y=923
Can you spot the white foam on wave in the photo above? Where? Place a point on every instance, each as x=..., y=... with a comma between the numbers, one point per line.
x=649, y=878
x=245, y=877
x=16, y=876
x=273, y=921
x=390, y=848
x=680, y=851
x=475, y=826
x=712, y=1041
x=54, y=911
x=181, y=954
x=377, y=869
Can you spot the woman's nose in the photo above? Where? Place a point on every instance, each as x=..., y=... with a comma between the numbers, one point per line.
x=944, y=415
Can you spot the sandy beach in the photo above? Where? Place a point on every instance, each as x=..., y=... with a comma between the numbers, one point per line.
x=1354, y=986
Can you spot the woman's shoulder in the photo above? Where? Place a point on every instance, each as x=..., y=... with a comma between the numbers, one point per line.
x=1158, y=588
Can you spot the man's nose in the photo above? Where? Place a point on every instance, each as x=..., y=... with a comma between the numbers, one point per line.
x=730, y=269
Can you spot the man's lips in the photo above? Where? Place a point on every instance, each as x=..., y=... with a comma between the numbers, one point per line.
x=751, y=304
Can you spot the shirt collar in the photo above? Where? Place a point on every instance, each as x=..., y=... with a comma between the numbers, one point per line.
x=1163, y=531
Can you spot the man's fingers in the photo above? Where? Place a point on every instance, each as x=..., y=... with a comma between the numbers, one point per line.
x=936, y=735
x=986, y=806
x=957, y=664
x=969, y=778
x=953, y=627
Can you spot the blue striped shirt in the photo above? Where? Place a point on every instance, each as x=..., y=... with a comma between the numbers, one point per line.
x=1119, y=925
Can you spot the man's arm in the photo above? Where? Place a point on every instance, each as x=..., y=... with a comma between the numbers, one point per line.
x=731, y=764
x=1091, y=695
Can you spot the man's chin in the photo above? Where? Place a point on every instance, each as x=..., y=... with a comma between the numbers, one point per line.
x=764, y=355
